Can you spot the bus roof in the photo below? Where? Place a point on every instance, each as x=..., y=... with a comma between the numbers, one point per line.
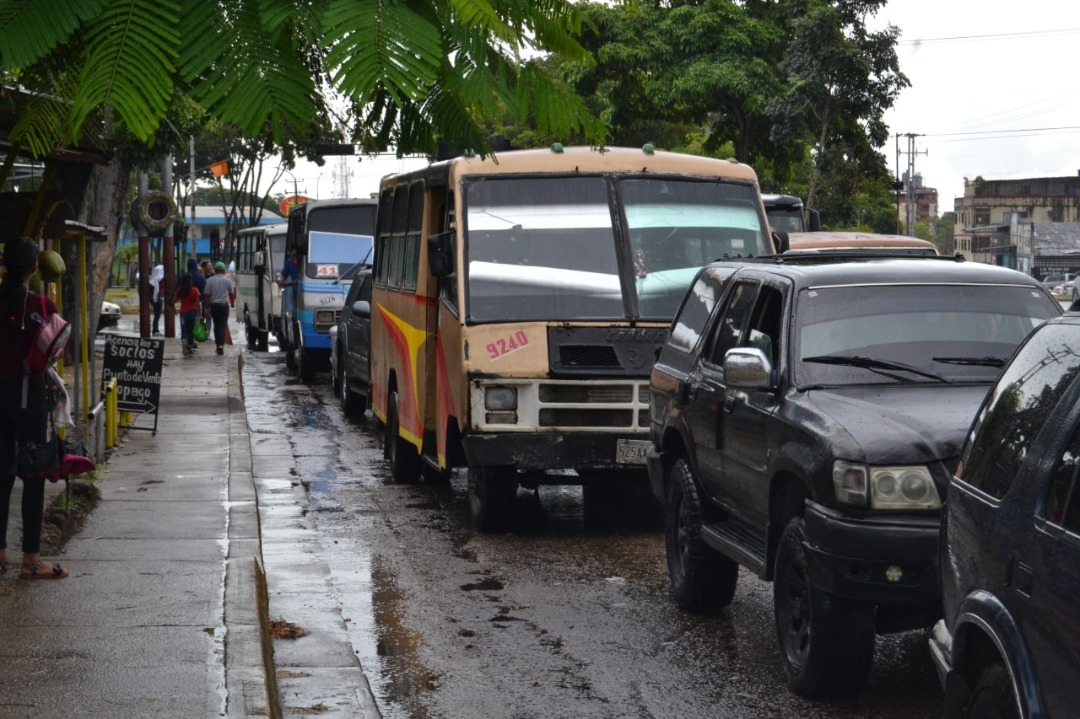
x=583, y=159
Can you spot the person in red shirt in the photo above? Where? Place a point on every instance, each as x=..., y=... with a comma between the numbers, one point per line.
x=23, y=413
x=188, y=297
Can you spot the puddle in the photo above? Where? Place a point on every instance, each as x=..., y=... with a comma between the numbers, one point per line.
x=489, y=584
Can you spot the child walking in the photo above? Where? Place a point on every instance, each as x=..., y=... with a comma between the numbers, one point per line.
x=188, y=297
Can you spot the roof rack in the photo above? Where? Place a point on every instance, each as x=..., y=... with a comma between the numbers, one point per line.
x=802, y=257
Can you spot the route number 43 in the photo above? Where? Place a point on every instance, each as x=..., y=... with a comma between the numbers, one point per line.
x=506, y=345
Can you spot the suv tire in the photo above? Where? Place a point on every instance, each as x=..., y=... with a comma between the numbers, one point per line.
x=992, y=696
x=826, y=643
x=352, y=404
x=701, y=579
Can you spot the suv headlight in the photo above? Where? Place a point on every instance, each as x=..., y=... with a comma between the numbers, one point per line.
x=890, y=488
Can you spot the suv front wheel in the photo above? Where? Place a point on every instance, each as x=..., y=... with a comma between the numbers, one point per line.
x=701, y=579
x=826, y=642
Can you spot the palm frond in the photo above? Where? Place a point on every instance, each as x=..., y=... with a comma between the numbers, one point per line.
x=243, y=73
x=31, y=29
x=376, y=44
x=131, y=47
x=556, y=109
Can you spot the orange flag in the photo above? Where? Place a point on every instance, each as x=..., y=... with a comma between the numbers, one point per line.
x=220, y=169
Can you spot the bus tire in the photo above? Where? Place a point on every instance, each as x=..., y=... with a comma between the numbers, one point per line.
x=305, y=365
x=290, y=358
x=263, y=341
x=251, y=334
x=491, y=499
x=400, y=453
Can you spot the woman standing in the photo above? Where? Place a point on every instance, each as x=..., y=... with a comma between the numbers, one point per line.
x=23, y=413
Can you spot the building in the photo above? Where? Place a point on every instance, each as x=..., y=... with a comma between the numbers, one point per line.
x=210, y=229
x=1031, y=224
x=923, y=199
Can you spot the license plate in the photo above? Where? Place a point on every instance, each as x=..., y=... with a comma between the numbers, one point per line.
x=632, y=451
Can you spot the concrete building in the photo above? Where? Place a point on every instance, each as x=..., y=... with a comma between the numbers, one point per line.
x=1031, y=224
x=924, y=200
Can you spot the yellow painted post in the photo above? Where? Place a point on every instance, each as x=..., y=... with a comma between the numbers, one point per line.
x=111, y=418
x=125, y=418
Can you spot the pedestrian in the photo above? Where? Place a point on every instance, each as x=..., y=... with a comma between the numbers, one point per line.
x=157, y=282
x=23, y=412
x=188, y=297
x=219, y=289
x=198, y=281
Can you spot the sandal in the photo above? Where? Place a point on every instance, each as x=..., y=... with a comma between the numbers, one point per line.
x=37, y=571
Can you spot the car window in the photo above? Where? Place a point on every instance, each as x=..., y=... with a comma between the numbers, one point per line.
x=365, y=288
x=766, y=322
x=1063, y=504
x=1017, y=408
x=729, y=329
x=698, y=306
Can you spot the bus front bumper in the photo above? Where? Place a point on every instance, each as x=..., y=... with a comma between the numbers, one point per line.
x=554, y=450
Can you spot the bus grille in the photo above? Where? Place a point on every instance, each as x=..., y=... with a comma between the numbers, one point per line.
x=586, y=417
x=587, y=356
x=593, y=405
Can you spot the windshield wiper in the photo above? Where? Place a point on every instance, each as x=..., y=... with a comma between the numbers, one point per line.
x=875, y=365
x=988, y=361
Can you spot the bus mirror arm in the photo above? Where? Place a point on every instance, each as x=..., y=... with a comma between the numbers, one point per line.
x=440, y=254
x=781, y=241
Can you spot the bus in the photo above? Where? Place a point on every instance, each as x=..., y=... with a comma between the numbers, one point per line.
x=259, y=253
x=518, y=304
x=786, y=213
x=330, y=236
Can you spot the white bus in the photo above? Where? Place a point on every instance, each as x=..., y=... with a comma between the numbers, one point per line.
x=260, y=252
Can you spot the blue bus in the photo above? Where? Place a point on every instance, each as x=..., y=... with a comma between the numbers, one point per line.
x=330, y=236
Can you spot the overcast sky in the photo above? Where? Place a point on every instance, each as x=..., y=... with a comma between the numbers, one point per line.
x=994, y=90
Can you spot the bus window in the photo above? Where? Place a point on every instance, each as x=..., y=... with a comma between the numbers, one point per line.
x=412, y=238
x=382, y=264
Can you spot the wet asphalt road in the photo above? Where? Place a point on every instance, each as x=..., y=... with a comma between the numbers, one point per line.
x=554, y=620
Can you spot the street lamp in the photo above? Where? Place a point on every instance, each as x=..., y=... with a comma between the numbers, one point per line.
x=317, y=185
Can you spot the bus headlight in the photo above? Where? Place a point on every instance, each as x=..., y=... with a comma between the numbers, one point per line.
x=500, y=399
x=324, y=320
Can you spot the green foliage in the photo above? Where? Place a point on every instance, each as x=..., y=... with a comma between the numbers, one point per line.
x=409, y=71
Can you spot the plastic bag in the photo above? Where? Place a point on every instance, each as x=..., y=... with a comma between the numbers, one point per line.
x=201, y=333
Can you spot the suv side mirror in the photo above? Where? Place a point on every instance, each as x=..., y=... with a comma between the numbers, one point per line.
x=747, y=368
x=813, y=221
x=362, y=308
x=441, y=254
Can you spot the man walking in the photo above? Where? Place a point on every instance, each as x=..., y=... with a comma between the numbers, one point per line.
x=219, y=289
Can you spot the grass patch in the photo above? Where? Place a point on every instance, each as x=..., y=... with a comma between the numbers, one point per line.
x=66, y=514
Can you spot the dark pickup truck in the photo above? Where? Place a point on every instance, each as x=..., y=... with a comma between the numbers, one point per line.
x=806, y=415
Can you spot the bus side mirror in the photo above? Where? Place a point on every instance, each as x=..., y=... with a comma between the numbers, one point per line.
x=813, y=221
x=440, y=254
x=258, y=261
x=780, y=239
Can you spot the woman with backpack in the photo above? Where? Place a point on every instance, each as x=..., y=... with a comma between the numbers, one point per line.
x=23, y=413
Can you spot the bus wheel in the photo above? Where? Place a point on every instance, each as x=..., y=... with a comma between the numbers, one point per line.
x=263, y=340
x=402, y=455
x=290, y=358
x=491, y=499
x=251, y=334
x=305, y=365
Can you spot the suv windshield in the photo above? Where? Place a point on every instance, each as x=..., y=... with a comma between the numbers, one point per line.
x=548, y=248
x=885, y=334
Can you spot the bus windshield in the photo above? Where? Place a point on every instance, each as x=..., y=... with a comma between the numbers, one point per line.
x=549, y=248
x=338, y=238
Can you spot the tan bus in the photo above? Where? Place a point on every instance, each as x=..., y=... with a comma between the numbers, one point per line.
x=518, y=304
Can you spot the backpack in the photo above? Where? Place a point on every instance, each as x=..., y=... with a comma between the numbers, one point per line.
x=49, y=340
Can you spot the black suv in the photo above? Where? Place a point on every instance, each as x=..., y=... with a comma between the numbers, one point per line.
x=1009, y=645
x=806, y=417
x=350, y=344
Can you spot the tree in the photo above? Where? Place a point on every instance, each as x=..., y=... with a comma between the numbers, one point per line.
x=410, y=71
x=840, y=80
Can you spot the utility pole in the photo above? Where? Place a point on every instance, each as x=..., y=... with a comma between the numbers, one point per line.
x=191, y=178
x=909, y=182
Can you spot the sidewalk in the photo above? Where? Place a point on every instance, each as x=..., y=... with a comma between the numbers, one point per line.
x=164, y=611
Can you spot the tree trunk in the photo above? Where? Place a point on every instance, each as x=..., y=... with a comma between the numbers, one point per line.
x=105, y=206
x=815, y=177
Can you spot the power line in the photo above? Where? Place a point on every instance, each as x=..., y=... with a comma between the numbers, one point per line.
x=992, y=36
x=1007, y=132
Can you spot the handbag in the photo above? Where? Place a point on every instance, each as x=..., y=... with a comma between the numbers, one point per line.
x=201, y=332
x=36, y=460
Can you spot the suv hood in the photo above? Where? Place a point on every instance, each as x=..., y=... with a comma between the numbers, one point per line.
x=900, y=424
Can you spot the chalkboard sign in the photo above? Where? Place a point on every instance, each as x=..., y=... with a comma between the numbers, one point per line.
x=135, y=362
